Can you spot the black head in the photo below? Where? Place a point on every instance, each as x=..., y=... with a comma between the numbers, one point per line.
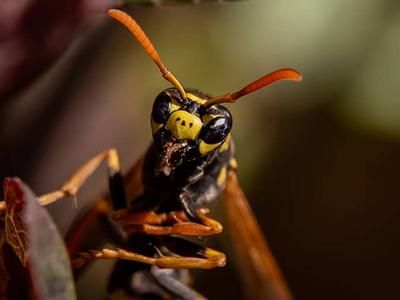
x=186, y=129
x=188, y=124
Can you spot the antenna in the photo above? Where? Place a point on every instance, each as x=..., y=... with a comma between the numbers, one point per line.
x=281, y=74
x=145, y=42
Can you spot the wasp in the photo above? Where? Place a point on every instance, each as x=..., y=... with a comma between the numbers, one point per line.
x=164, y=198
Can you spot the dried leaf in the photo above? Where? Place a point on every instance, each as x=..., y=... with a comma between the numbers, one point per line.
x=34, y=238
x=15, y=234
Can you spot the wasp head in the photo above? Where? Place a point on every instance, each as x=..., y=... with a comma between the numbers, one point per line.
x=186, y=129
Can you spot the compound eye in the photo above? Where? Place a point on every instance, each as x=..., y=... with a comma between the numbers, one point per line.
x=161, y=108
x=216, y=130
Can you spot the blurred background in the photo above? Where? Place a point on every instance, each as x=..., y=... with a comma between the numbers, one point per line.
x=318, y=160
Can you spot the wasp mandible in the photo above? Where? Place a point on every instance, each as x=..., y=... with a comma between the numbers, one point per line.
x=188, y=165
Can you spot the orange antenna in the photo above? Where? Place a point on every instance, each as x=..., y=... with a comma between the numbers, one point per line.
x=281, y=74
x=144, y=41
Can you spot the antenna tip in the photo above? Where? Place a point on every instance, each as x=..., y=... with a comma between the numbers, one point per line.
x=114, y=12
x=291, y=74
x=299, y=77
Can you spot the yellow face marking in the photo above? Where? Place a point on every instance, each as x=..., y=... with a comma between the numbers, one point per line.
x=221, y=176
x=204, y=148
x=174, y=105
x=184, y=125
x=233, y=164
x=195, y=98
x=155, y=126
x=226, y=144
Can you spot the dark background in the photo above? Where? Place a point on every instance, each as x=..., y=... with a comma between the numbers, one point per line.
x=318, y=160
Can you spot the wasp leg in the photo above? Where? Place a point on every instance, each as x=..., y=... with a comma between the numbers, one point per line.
x=208, y=259
x=117, y=191
x=97, y=215
x=126, y=217
x=170, y=223
x=73, y=184
x=188, y=206
x=164, y=278
x=44, y=199
x=192, y=255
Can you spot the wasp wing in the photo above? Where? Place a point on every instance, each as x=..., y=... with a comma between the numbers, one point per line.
x=260, y=273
